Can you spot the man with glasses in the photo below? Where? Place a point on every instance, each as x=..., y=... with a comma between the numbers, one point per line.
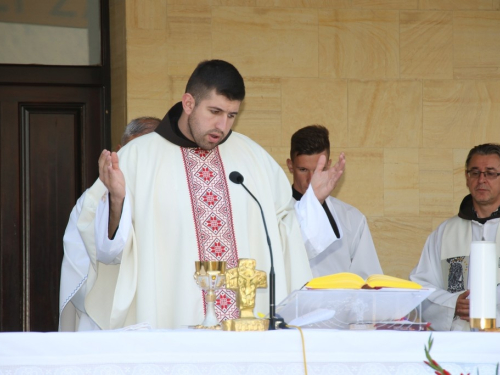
x=444, y=263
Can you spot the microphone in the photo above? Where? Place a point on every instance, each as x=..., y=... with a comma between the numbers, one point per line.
x=238, y=179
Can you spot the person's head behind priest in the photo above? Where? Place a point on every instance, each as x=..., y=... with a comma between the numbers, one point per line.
x=137, y=127
x=211, y=102
x=307, y=145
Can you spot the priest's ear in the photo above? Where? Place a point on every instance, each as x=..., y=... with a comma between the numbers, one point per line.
x=188, y=103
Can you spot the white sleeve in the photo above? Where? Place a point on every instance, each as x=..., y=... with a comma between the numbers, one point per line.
x=110, y=251
x=315, y=227
x=365, y=260
x=498, y=305
x=439, y=307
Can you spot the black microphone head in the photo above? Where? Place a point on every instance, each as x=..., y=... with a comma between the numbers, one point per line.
x=236, y=177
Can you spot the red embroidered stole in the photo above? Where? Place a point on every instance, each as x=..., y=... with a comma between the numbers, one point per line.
x=213, y=218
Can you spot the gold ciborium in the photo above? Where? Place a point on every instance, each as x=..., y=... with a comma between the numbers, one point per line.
x=210, y=276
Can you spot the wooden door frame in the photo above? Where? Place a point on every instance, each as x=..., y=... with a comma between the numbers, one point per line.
x=72, y=75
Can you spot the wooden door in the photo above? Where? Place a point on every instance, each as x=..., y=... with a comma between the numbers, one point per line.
x=49, y=144
x=54, y=122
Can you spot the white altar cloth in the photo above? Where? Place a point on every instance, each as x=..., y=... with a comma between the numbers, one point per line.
x=272, y=352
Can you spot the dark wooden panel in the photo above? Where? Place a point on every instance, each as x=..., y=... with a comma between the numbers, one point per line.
x=11, y=257
x=51, y=138
x=67, y=75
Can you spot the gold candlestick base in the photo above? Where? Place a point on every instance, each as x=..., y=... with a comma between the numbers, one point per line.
x=483, y=324
x=245, y=324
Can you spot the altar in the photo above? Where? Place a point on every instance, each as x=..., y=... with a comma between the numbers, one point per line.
x=188, y=351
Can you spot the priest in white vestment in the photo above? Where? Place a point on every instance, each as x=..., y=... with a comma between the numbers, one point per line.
x=165, y=201
x=76, y=262
x=336, y=234
x=444, y=262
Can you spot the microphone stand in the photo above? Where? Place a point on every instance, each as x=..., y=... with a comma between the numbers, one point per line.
x=274, y=322
x=272, y=277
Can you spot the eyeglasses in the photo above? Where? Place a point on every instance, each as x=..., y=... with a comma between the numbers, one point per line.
x=490, y=175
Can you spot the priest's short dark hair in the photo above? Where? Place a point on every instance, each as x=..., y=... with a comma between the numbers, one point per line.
x=219, y=75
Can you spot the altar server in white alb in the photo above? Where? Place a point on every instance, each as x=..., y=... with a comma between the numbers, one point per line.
x=76, y=261
x=165, y=201
x=444, y=262
x=336, y=234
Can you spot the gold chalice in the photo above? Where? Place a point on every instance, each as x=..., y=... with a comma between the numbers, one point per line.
x=210, y=276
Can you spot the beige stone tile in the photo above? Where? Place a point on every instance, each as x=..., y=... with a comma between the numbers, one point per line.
x=280, y=154
x=264, y=127
x=476, y=44
x=496, y=4
x=401, y=202
x=436, y=159
x=362, y=183
x=176, y=88
x=426, y=45
x=460, y=114
x=307, y=101
x=333, y=4
x=399, y=242
x=361, y=44
x=460, y=189
x=235, y=3
x=262, y=94
x=267, y=42
x=437, y=221
x=260, y=112
x=189, y=37
x=385, y=4
x=385, y=113
x=437, y=181
x=457, y=4
x=196, y=3
x=436, y=193
x=146, y=14
x=401, y=182
x=146, y=107
x=147, y=74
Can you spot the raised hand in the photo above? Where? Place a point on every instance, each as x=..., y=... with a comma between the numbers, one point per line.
x=324, y=179
x=112, y=177
x=463, y=305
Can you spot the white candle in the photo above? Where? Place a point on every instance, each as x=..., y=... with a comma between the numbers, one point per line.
x=482, y=278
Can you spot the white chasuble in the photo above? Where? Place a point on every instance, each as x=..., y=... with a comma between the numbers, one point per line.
x=153, y=280
x=213, y=218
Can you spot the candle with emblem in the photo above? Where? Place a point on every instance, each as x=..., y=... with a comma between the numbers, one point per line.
x=482, y=276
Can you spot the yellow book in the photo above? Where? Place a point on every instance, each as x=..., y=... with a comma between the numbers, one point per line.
x=347, y=280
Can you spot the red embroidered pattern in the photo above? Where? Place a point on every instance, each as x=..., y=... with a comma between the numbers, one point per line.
x=212, y=217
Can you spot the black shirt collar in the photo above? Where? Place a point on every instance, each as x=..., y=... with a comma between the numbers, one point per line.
x=296, y=195
x=467, y=211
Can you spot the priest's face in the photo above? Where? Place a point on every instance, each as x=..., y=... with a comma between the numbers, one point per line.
x=210, y=120
x=302, y=167
x=485, y=192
